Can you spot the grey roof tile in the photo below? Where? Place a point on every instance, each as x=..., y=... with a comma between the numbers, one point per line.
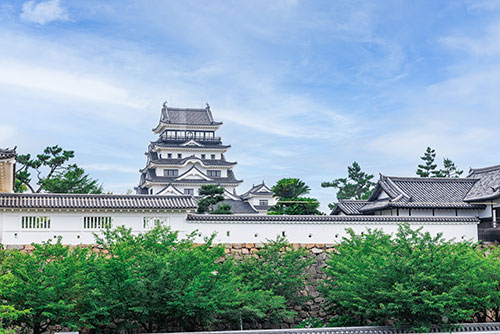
x=473, y=328
x=208, y=162
x=420, y=192
x=239, y=207
x=95, y=201
x=8, y=153
x=348, y=207
x=188, y=116
x=488, y=185
x=211, y=145
x=326, y=219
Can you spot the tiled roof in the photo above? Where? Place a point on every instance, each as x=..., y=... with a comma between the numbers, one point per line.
x=318, y=219
x=239, y=207
x=259, y=189
x=473, y=328
x=348, y=207
x=7, y=154
x=150, y=175
x=207, y=162
x=95, y=201
x=488, y=185
x=420, y=192
x=262, y=207
x=210, y=145
x=187, y=116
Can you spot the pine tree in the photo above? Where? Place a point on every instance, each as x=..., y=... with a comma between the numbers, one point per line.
x=425, y=170
x=450, y=170
x=357, y=184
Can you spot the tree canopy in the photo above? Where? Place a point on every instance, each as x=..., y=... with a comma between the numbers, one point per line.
x=429, y=167
x=53, y=173
x=289, y=192
x=150, y=282
x=212, y=196
x=357, y=184
x=290, y=188
x=413, y=279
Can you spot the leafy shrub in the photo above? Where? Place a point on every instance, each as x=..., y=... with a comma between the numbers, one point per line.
x=413, y=279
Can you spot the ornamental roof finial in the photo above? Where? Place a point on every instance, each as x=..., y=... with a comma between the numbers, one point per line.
x=165, y=104
x=207, y=106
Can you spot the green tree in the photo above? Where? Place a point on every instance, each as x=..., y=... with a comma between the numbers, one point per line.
x=279, y=268
x=156, y=280
x=428, y=168
x=53, y=175
x=48, y=283
x=289, y=192
x=296, y=206
x=212, y=194
x=449, y=170
x=223, y=209
x=290, y=188
x=414, y=279
x=357, y=184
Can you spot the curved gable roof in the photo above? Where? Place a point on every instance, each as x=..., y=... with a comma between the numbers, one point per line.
x=487, y=185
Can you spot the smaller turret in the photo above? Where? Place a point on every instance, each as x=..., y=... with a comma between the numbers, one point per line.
x=7, y=170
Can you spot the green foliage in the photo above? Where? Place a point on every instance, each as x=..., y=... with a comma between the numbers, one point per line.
x=71, y=180
x=49, y=283
x=289, y=203
x=311, y=323
x=428, y=167
x=280, y=270
x=450, y=170
x=156, y=281
x=414, y=279
x=296, y=206
x=357, y=184
x=58, y=177
x=212, y=194
x=222, y=209
x=290, y=188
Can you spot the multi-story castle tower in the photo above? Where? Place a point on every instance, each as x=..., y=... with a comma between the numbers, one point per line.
x=187, y=155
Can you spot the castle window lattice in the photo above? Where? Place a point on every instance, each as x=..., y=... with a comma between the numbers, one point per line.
x=35, y=222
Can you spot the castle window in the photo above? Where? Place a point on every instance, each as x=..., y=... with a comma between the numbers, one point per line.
x=152, y=222
x=179, y=155
x=35, y=222
x=214, y=173
x=212, y=156
x=263, y=202
x=189, y=191
x=169, y=155
x=170, y=172
x=203, y=156
x=151, y=191
x=96, y=222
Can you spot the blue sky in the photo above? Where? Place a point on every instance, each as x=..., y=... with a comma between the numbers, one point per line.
x=304, y=88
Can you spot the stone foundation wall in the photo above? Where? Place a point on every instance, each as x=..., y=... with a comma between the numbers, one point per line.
x=319, y=252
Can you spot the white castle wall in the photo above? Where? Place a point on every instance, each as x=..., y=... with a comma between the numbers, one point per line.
x=70, y=226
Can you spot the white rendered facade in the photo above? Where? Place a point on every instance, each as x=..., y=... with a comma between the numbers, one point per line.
x=72, y=227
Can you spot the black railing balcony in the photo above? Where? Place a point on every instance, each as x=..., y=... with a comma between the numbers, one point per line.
x=197, y=138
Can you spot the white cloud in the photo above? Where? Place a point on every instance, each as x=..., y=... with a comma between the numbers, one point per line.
x=110, y=168
x=486, y=44
x=60, y=82
x=43, y=12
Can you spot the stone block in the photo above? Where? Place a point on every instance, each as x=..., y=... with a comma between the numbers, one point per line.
x=316, y=250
